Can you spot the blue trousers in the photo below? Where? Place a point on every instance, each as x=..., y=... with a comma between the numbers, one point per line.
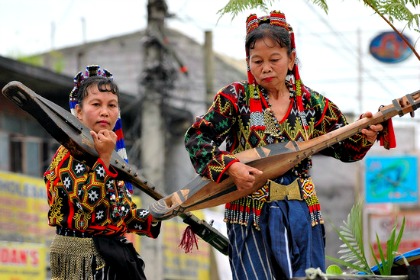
x=285, y=247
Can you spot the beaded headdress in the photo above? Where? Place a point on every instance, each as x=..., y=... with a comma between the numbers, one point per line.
x=293, y=80
x=95, y=70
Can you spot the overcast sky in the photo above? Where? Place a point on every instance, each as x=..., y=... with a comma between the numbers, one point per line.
x=327, y=45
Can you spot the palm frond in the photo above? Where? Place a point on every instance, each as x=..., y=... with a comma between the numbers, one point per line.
x=351, y=234
x=351, y=251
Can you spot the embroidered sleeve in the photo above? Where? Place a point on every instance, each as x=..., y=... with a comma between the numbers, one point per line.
x=349, y=150
x=208, y=132
x=139, y=221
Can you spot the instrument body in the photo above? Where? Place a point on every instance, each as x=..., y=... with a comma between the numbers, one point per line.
x=274, y=160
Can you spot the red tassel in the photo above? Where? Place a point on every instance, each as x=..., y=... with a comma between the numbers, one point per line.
x=387, y=136
x=188, y=240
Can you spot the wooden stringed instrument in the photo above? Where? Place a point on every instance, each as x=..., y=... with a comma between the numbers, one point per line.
x=75, y=136
x=274, y=160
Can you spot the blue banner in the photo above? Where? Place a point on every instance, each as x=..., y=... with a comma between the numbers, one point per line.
x=391, y=179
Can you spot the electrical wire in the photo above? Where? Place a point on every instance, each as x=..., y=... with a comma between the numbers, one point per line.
x=348, y=47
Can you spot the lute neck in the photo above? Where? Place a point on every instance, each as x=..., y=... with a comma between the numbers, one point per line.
x=401, y=106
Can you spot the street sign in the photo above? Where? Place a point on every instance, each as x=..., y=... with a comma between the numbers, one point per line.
x=389, y=47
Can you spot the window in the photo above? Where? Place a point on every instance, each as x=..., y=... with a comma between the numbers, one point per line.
x=16, y=154
x=30, y=155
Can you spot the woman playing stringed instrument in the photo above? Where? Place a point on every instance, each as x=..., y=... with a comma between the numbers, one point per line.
x=90, y=207
x=271, y=236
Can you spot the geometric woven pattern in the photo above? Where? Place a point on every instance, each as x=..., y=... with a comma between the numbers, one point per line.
x=100, y=204
x=228, y=120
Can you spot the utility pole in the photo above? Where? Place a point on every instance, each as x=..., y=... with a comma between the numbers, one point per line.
x=209, y=66
x=152, y=123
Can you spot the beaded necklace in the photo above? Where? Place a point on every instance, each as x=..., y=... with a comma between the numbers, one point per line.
x=276, y=121
x=293, y=80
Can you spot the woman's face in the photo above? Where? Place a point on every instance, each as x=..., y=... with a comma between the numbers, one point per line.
x=99, y=110
x=269, y=63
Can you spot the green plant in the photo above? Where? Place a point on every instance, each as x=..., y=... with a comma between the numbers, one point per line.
x=234, y=7
x=391, y=250
x=388, y=10
x=351, y=234
x=352, y=252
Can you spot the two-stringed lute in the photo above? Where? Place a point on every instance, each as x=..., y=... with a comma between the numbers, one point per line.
x=274, y=160
x=73, y=135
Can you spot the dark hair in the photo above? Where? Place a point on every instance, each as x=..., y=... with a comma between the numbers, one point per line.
x=103, y=84
x=265, y=30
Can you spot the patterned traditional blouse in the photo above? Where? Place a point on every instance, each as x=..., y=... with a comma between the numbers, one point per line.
x=228, y=119
x=92, y=200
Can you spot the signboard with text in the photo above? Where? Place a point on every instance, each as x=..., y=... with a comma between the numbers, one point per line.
x=25, y=235
x=22, y=261
x=23, y=209
x=24, y=232
x=382, y=226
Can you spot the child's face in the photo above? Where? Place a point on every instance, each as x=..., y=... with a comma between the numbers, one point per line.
x=99, y=110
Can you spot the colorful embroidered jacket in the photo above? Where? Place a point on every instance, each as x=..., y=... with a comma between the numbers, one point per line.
x=228, y=119
x=92, y=200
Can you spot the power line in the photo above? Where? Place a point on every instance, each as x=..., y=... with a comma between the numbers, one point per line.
x=348, y=47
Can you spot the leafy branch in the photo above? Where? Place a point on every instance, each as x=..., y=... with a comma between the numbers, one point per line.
x=399, y=11
x=388, y=10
